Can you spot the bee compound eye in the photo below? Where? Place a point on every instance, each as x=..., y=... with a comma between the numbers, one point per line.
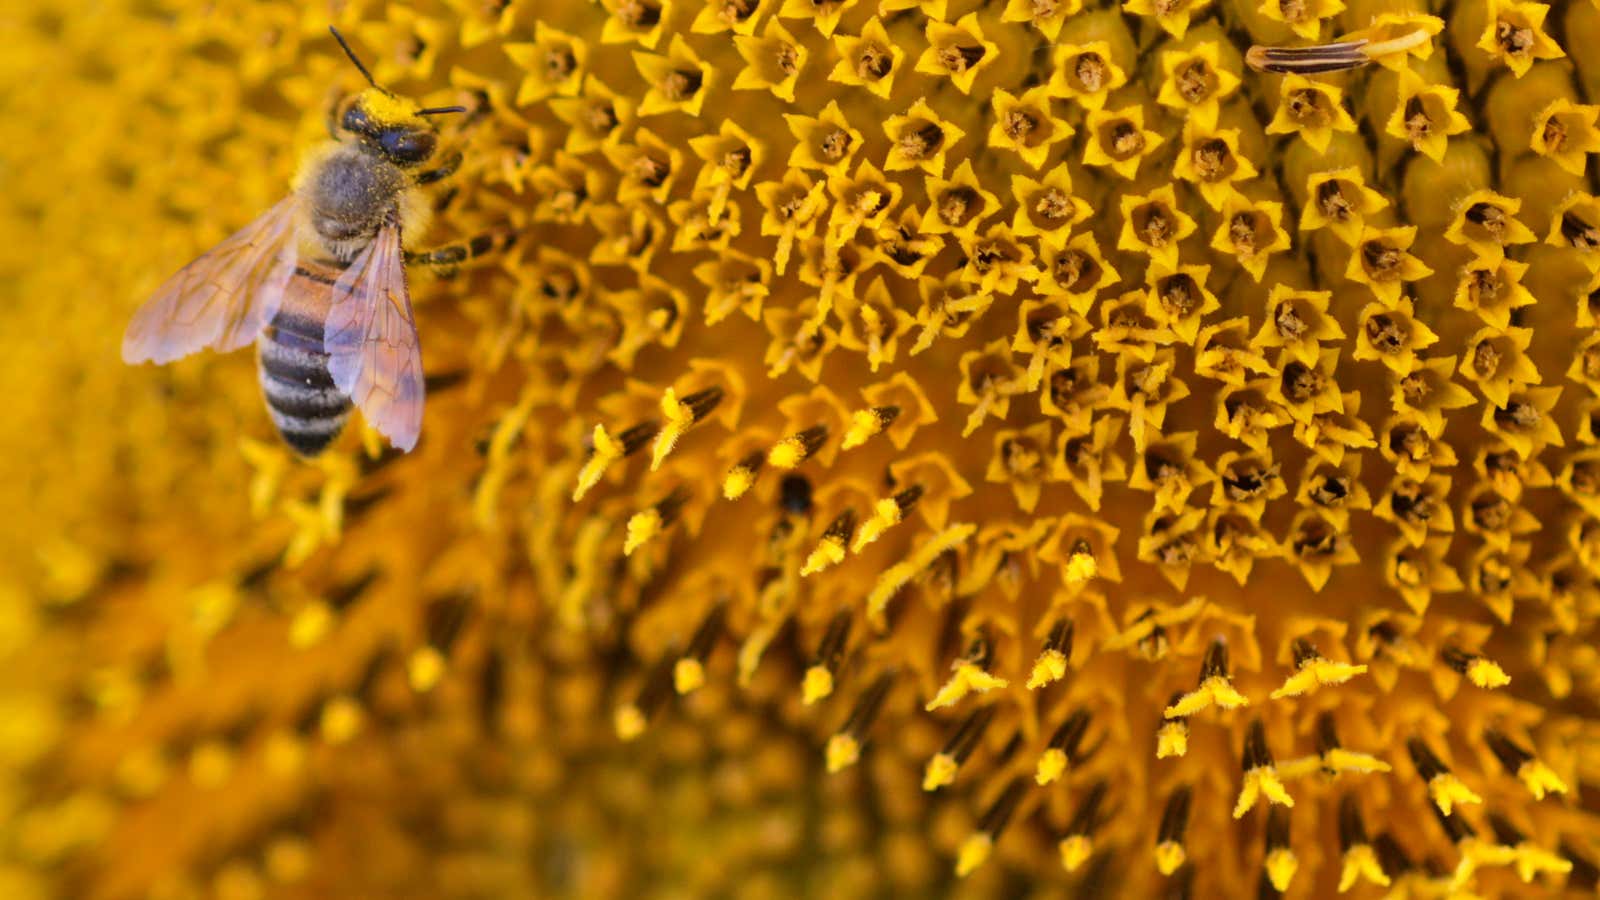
x=407, y=146
x=355, y=119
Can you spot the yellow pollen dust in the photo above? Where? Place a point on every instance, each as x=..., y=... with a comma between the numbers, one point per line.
x=310, y=625
x=1339, y=759
x=940, y=771
x=1051, y=666
x=1214, y=690
x=885, y=515
x=966, y=679
x=1360, y=862
x=788, y=453
x=1487, y=674
x=864, y=424
x=739, y=480
x=341, y=720
x=1081, y=567
x=1258, y=782
x=1172, y=740
x=688, y=675
x=642, y=526
x=1316, y=673
x=1170, y=857
x=607, y=450
x=1075, y=850
x=818, y=683
x=1052, y=763
x=842, y=752
x=680, y=418
x=628, y=721
x=1540, y=779
x=424, y=669
x=830, y=551
x=974, y=852
x=1447, y=790
x=1281, y=865
x=1533, y=860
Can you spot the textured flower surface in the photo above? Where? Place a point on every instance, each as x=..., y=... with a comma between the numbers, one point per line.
x=914, y=447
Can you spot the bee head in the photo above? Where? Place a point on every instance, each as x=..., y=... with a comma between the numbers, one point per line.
x=392, y=126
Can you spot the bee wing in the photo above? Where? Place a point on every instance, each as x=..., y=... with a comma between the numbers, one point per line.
x=371, y=340
x=223, y=299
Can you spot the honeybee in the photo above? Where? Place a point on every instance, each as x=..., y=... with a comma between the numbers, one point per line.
x=318, y=282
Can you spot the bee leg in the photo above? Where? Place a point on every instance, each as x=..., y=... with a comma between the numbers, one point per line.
x=447, y=259
x=442, y=171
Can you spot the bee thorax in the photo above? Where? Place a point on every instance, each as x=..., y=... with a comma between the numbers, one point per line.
x=349, y=197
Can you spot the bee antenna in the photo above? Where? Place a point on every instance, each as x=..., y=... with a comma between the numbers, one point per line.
x=441, y=110
x=352, y=54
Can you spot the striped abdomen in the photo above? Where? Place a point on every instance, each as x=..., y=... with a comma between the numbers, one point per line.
x=305, y=405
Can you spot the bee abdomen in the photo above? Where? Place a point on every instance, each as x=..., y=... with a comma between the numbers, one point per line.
x=305, y=405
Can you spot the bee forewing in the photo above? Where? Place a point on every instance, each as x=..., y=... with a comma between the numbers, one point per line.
x=223, y=299
x=371, y=341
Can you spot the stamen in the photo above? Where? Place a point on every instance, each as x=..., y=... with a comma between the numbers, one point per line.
x=844, y=748
x=1539, y=778
x=1172, y=738
x=1051, y=666
x=865, y=423
x=1063, y=748
x=1444, y=788
x=1215, y=686
x=1360, y=859
x=818, y=682
x=975, y=850
x=1078, y=845
x=1260, y=774
x=646, y=524
x=608, y=449
x=1280, y=861
x=444, y=618
x=689, y=673
x=1480, y=670
x=830, y=551
x=970, y=674
x=941, y=769
x=1170, y=854
x=630, y=718
x=1313, y=670
x=742, y=477
x=681, y=415
x=886, y=514
x=797, y=448
x=1336, y=759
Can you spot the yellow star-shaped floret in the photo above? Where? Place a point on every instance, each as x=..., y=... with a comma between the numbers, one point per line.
x=1211, y=161
x=958, y=52
x=1312, y=109
x=1515, y=35
x=1567, y=133
x=1085, y=73
x=1426, y=116
x=1153, y=224
x=869, y=60
x=1024, y=124
x=1119, y=140
x=1173, y=15
x=1195, y=82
